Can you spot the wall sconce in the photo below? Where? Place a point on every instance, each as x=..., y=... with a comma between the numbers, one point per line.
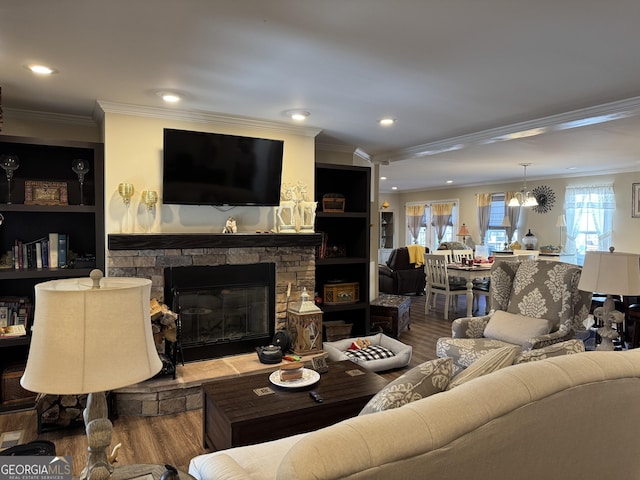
x=385, y=204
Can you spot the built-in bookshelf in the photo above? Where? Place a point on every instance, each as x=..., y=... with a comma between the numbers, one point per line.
x=343, y=260
x=46, y=204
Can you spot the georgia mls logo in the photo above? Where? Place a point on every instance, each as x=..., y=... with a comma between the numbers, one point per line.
x=35, y=468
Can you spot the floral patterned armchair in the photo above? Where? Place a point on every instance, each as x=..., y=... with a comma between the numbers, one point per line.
x=534, y=304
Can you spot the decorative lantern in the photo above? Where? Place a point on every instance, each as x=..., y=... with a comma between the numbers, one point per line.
x=529, y=241
x=305, y=326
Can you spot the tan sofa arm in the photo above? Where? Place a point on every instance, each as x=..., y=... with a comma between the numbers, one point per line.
x=224, y=467
x=563, y=334
x=469, y=327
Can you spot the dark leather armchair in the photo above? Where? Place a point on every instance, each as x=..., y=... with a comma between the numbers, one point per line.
x=398, y=276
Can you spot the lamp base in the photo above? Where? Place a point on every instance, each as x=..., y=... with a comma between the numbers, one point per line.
x=99, y=431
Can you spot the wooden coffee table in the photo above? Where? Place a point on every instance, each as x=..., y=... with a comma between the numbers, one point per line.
x=234, y=414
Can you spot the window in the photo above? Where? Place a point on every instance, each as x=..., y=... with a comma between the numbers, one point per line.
x=589, y=213
x=427, y=233
x=496, y=236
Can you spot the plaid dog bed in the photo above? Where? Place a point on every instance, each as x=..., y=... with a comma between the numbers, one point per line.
x=372, y=352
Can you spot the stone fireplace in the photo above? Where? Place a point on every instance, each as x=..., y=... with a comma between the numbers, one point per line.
x=289, y=258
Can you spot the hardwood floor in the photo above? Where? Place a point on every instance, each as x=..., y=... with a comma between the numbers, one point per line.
x=175, y=439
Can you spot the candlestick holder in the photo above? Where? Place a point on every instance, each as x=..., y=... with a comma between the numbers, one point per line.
x=81, y=168
x=126, y=192
x=9, y=163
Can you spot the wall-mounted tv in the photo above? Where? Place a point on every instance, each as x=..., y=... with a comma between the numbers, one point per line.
x=201, y=168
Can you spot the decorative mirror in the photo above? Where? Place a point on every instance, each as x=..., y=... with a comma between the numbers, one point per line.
x=545, y=197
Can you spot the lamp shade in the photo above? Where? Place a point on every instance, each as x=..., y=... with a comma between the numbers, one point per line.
x=506, y=222
x=88, y=339
x=611, y=273
x=562, y=221
x=464, y=231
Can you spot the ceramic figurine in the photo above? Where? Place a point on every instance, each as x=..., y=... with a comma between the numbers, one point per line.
x=230, y=226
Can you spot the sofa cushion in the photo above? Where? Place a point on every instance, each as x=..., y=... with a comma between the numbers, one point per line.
x=490, y=362
x=419, y=382
x=515, y=328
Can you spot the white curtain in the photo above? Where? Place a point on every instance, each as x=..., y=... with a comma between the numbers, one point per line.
x=595, y=202
x=442, y=214
x=414, y=220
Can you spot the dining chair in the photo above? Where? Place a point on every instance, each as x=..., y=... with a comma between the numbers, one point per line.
x=438, y=283
x=445, y=253
x=458, y=255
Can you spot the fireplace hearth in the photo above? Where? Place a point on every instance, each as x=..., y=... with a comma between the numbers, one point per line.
x=223, y=309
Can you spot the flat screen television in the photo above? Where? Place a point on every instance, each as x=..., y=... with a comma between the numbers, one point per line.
x=201, y=168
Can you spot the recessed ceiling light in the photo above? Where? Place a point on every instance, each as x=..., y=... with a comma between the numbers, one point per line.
x=297, y=115
x=449, y=181
x=383, y=178
x=41, y=69
x=169, y=97
x=386, y=122
x=394, y=188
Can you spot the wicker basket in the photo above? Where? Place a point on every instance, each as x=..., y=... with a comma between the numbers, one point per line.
x=333, y=202
x=337, y=330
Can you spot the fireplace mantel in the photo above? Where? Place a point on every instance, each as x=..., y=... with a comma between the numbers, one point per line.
x=156, y=241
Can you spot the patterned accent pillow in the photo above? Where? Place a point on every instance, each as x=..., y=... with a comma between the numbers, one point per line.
x=568, y=347
x=513, y=328
x=419, y=382
x=492, y=361
x=372, y=352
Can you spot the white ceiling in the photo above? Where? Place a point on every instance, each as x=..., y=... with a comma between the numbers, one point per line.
x=446, y=69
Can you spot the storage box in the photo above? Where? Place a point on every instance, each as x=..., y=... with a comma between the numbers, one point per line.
x=333, y=202
x=337, y=330
x=391, y=313
x=337, y=293
x=12, y=391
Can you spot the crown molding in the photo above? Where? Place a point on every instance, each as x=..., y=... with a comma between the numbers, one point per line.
x=63, y=118
x=104, y=106
x=618, y=109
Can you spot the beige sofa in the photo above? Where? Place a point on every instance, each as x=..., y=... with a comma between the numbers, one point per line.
x=571, y=417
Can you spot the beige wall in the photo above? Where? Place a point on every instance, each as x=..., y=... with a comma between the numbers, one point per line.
x=626, y=230
x=133, y=154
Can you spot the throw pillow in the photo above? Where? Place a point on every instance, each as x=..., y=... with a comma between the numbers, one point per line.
x=419, y=382
x=568, y=347
x=372, y=352
x=514, y=328
x=490, y=362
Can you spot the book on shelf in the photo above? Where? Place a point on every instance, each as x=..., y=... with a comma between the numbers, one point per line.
x=46, y=252
x=63, y=245
x=53, y=250
x=15, y=312
x=13, y=331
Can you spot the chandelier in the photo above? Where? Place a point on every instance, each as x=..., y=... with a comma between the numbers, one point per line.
x=523, y=198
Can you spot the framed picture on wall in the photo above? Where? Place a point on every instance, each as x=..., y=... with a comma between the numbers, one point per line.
x=635, y=206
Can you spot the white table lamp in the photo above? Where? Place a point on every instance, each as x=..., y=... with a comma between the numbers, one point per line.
x=611, y=274
x=91, y=335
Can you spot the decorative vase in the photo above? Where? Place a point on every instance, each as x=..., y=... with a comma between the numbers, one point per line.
x=529, y=241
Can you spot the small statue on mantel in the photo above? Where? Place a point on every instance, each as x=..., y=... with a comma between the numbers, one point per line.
x=230, y=226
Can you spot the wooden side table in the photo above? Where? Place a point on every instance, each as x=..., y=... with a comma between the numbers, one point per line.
x=391, y=313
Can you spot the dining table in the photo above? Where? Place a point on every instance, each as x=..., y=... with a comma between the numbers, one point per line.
x=469, y=273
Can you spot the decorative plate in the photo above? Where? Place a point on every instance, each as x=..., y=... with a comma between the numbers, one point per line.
x=545, y=197
x=309, y=377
